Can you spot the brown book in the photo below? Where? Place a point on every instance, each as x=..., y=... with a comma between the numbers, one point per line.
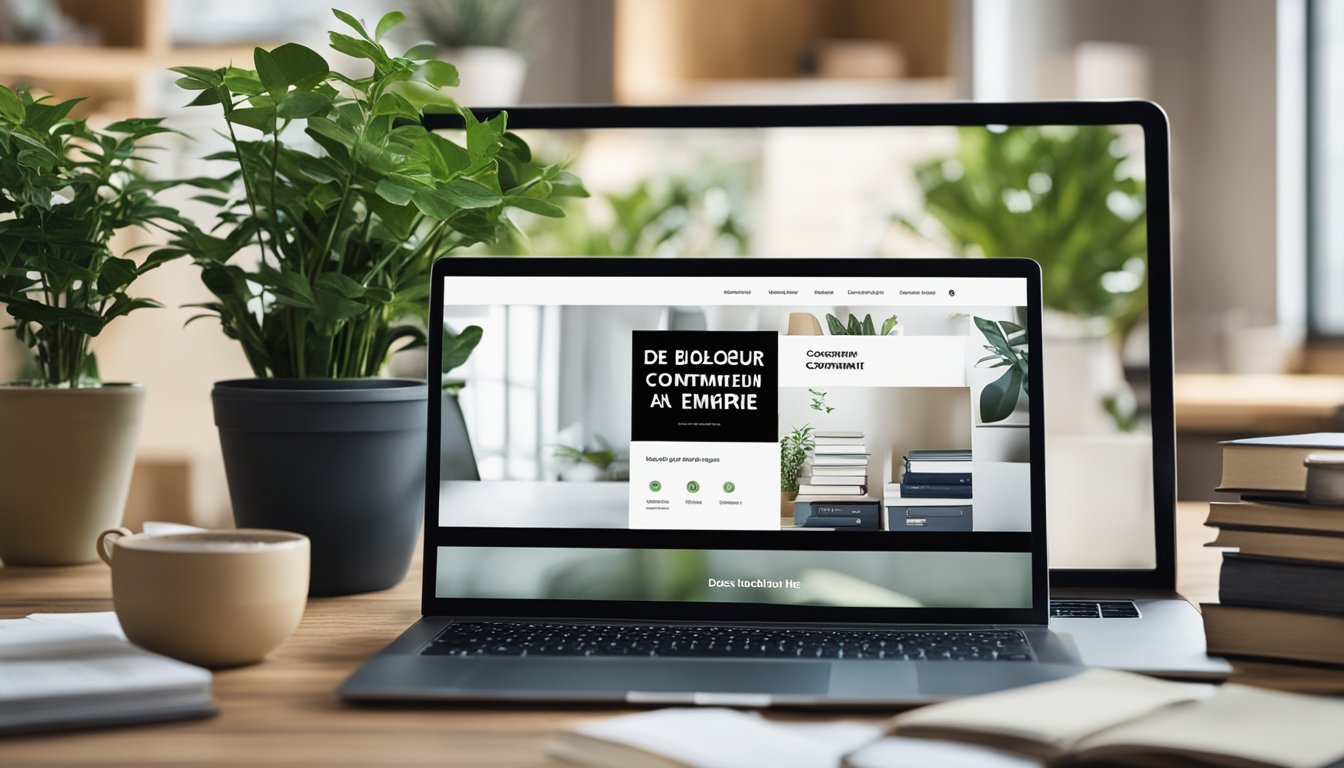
x=1234, y=630
x=1273, y=465
x=1294, y=678
x=1288, y=516
x=1293, y=546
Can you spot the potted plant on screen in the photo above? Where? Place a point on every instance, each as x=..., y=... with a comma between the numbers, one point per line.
x=793, y=452
x=337, y=203
x=67, y=440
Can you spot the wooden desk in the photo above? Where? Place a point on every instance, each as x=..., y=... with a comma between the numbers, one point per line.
x=284, y=711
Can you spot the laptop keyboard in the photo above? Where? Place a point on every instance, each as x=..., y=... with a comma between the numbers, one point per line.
x=1093, y=609
x=507, y=638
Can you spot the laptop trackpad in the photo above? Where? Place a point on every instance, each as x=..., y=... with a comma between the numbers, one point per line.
x=619, y=675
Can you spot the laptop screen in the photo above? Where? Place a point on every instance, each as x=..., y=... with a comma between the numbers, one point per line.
x=820, y=440
x=1074, y=197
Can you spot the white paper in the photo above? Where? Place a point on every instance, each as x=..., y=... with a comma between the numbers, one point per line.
x=42, y=660
x=726, y=738
x=101, y=621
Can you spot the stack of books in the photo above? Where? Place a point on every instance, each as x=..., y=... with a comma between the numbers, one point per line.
x=839, y=465
x=833, y=493
x=934, y=492
x=1281, y=595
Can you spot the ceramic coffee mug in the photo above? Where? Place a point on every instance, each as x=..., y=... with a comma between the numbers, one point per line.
x=213, y=598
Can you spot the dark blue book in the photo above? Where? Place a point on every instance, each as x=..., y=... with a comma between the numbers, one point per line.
x=851, y=523
x=1285, y=584
x=937, y=478
x=922, y=518
x=932, y=491
x=858, y=513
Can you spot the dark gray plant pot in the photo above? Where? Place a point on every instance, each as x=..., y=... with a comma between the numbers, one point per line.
x=340, y=461
x=457, y=461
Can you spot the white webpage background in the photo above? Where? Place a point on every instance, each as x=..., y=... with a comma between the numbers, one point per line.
x=752, y=468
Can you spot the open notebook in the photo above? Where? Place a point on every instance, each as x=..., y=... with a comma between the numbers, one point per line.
x=1096, y=717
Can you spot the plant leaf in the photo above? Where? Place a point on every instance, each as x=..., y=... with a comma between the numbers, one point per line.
x=999, y=397
x=835, y=326
x=258, y=118
x=269, y=73
x=299, y=66
x=116, y=273
x=535, y=205
x=458, y=347
x=351, y=22
x=386, y=23
x=439, y=74
x=421, y=52
x=889, y=324
x=301, y=104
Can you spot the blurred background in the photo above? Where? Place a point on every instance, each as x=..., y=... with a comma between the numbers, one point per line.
x=1254, y=90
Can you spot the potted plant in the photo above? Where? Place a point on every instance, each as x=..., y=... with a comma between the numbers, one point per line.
x=1087, y=228
x=1008, y=349
x=793, y=451
x=69, y=440
x=586, y=463
x=487, y=39
x=339, y=202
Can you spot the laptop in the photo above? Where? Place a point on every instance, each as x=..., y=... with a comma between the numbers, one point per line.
x=817, y=183
x=684, y=575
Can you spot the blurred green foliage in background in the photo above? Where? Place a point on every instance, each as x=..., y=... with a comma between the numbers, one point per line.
x=1063, y=196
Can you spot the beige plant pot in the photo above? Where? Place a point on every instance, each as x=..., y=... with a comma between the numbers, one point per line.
x=786, y=499
x=65, y=466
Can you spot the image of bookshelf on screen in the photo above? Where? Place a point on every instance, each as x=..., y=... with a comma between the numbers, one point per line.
x=933, y=493
x=833, y=491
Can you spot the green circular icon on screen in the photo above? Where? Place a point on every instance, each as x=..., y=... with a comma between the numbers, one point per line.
x=729, y=487
x=693, y=487
x=655, y=486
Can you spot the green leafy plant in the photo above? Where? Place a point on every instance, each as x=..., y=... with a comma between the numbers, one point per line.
x=654, y=217
x=1123, y=411
x=464, y=23
x=1060, y=195
x=65, y=190
x=793, y=450
x=857, y=327
x=1008, y=349
x=455, y=349
x=819, y=401
x=344, y=236
x=599, y=455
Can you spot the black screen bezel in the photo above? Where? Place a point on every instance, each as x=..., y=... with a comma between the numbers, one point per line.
x=1147, y=115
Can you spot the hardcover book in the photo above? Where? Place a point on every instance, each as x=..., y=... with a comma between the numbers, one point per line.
x=1284, y=584
x=1284, y=515
x=1293, y=546
x=926, y=490
x=1273, y=465
x=1236, y=630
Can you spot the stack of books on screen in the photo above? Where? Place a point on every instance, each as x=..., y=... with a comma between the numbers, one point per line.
x=934, y=493
x=839, y=465
x=1281, y=594
x=833, y=492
